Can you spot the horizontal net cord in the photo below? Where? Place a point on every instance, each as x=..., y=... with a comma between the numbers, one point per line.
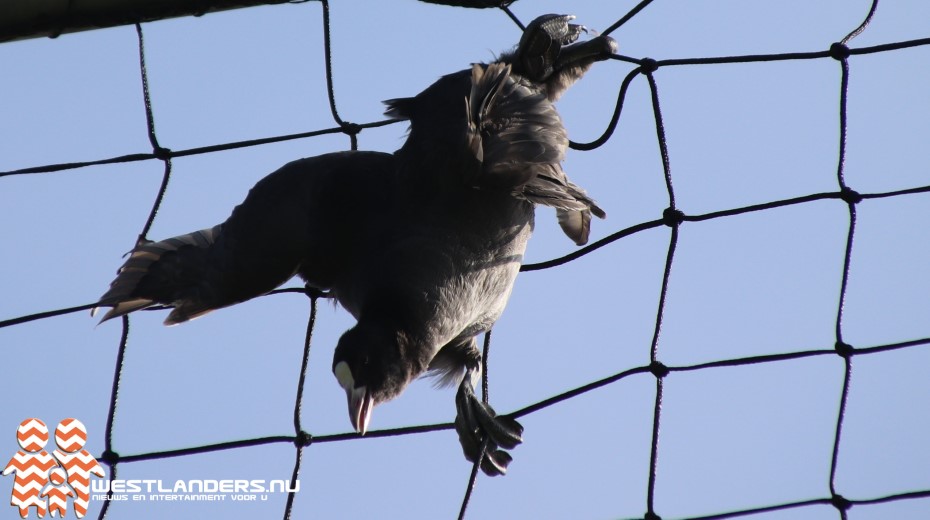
x=548, y=264
x=656, y=369
x=354, y=128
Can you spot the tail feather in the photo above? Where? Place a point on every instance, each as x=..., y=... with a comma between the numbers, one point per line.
x=575, y=224
x=162, y=272
x=572, y=204
x=123, y=307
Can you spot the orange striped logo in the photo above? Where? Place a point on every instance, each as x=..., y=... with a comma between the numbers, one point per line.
x=71, y=435
x=32, y=434
x=46, y=481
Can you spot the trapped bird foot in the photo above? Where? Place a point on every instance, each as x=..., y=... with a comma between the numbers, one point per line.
x=477, y=423
x=550, y=55
x=542, y=41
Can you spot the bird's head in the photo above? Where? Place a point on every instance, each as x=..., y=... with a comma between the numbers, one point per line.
x=369, y=365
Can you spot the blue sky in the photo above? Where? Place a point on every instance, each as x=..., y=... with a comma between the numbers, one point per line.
x=759, y=283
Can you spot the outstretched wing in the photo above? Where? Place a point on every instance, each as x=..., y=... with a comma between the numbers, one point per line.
x=303, y=219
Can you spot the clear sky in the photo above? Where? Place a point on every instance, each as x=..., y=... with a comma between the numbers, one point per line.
x=758, y=283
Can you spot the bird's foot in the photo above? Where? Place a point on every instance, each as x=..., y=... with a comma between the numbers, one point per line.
x=477, y=423
x=556, y=28
x=542, y=41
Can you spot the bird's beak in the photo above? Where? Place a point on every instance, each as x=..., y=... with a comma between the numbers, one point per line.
x=360, y=401
x=360, y=405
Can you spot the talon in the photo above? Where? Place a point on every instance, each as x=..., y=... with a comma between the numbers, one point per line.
x=541, y=42
x=476, y=424
x=556, y=27
x=495, y=462
x=504, y=431
x=550, y=45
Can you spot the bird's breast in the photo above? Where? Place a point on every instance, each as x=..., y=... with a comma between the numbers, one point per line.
x=448, y=268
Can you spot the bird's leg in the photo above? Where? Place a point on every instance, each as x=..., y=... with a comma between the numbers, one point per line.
x=574, y=60
x=477, y=421
x=584, y=53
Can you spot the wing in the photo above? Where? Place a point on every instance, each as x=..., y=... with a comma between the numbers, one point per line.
x=299, y=219
x=517, y=138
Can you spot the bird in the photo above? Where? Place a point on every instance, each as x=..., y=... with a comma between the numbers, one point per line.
x=421, y=246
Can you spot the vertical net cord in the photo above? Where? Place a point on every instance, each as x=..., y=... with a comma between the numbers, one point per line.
x=846, y=351
x=349, y=129
x=843, y=349
x=302, y=439
x=865, y=23
x=163, y=154
x=656, y=367
x=485, y=391
x=109, y=456
x=473, y=477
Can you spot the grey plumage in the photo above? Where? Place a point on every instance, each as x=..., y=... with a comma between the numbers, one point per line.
x=304, y=218
x=422, y=247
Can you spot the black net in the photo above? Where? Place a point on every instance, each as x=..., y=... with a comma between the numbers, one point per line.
x=651, y=353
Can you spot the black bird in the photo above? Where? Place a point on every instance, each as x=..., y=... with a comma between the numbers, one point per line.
x=421, y=246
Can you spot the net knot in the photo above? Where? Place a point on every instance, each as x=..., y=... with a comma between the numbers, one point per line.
x=845, y=350
x=350, y=129
x=850, y=195
x=840, y=502
x=658, y=369
x=161, y=153
x=648, y=65
x=109, y=457
x=672, y=217
x=839, y=51
x=303, y=439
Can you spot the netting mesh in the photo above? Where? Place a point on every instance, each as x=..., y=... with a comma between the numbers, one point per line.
x=675, y=223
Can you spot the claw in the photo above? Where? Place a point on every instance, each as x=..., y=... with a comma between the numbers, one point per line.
x=555, y=27
x=541, y=42
x=495, y=461
x=477, y=424
x=506, y=432
x=549, y=45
